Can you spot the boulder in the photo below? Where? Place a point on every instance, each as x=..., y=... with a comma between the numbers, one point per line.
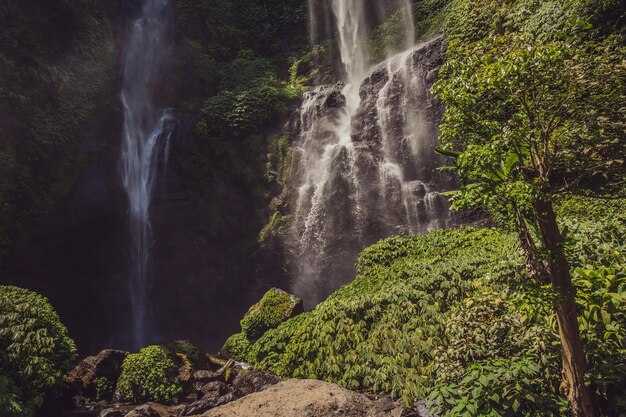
x=250, y=382
x=152, y=410
x=274, y=308
x=205, y=404
x=204, y=376
x=307, y=398
x=111, y=412
x=106, y=364
x=213, y=390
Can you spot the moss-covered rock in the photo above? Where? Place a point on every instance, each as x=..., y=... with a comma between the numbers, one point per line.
x=237, y=346
x=275, y=307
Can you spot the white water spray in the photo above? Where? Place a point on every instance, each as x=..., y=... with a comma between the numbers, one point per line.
x=362, y=149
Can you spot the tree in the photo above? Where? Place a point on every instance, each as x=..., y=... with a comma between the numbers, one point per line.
x=527, y=121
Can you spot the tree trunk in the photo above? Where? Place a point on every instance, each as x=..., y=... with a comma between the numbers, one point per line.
x=579, y=395
x=535, y=268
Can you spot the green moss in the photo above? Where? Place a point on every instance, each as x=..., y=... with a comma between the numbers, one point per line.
x=237, y=346
x=310, y=66
x=280, y=160
x=277, y=224
x=149, y=375
x=275, y=307
x=35, y=351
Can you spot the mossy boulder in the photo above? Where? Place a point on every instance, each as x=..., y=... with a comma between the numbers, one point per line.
x=275, y=307
x=237, y=346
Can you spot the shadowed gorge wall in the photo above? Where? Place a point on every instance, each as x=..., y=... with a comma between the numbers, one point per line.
x=208, y=204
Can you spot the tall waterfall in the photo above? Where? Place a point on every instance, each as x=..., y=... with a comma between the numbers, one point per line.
x=145, y=143
x=365, y=148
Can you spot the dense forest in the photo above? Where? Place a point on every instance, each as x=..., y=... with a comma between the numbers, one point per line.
x=460, y=251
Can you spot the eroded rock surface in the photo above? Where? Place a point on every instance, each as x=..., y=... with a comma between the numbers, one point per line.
x=307, y=398
x=106, y=364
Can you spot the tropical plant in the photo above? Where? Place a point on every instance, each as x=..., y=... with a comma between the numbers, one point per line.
x=528, y=120
x=149, y=375
x=35, y=351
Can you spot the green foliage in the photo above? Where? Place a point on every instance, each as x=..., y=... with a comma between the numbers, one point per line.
x=104, y=389
x=58, y=78
x=189, y=350
x=502, y=387
x=35, y=351
x=452, y=316
x=275, y=307
x=149, y=375
x=530, y=117
x=430, y=16
x=240, y=113
x=389, y=37
x=381, y=330
x=237, y=346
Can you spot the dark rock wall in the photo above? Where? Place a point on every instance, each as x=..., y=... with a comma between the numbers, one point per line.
x=207, y=264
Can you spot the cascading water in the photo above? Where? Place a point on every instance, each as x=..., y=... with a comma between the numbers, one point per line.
x=365, y=149
x=145, y=145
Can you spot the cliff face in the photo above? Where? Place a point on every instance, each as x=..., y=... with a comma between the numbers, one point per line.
x=64, y=223
x=58, y=144
x=373, y=178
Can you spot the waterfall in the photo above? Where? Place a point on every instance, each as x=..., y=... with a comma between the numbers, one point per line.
x=365, y=148
x=147, y=132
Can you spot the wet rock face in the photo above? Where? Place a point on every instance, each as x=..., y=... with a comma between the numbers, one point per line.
x=365, y=172
x=395, y=133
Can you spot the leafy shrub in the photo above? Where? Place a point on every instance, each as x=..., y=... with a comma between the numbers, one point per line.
x=149, y=375
x=452, y=316
x=189, y=350
x=35, y=351
x=501, y=387
x=104, y=389
x=241, y=112
x=381, y=330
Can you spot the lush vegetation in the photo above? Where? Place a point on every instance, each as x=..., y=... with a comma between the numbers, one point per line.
x=35, y=351
x=452, y=316
x=149, y=375
x=241, y=50
x=57, y=89
x=534, y=111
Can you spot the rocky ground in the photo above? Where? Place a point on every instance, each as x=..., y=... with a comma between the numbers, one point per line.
x=229, y=391
x=219, y=386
